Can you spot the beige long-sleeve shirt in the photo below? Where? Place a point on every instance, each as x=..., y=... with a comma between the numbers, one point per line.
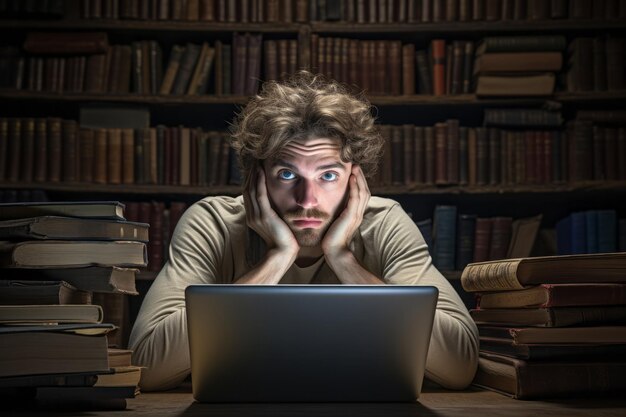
x=213, y=245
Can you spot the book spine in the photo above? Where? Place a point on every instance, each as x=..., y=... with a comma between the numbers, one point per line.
x=54, y=149
x=444, y=237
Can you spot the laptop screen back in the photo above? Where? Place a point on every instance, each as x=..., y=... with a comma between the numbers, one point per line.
x=308, y=343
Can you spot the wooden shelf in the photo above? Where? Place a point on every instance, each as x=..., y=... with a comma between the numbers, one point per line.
x=233, y=190
x=124, y=189
x=478, y=28
x=408, y=100
x=148, y=25
x=123, y=98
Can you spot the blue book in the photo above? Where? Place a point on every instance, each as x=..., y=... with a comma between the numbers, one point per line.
x=444, y=237
x=564, y=236
x=622, y=235
x=466, y=230
x=607, y=231
x=579, y=232
x=591, y=227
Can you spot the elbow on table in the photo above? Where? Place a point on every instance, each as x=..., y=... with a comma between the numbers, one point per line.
x=456, y=371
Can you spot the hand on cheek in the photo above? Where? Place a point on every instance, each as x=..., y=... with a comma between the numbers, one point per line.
x=341, y=232
x=261, y=217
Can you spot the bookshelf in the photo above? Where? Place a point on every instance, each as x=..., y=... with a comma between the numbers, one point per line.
x=212, y=111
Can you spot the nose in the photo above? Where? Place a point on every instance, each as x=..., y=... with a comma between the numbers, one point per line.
x=306, y=194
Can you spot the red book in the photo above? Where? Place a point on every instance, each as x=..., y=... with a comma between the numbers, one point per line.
x=441, y=153
x=547, y=156
x=155, y=247
x=482, y=239
x=556, y=295
x=395, y=74
x=531, y=157
x=408, y=69
x=438, y=47
x=500, y=237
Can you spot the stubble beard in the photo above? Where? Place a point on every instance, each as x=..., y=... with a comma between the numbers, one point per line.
x=309, y=237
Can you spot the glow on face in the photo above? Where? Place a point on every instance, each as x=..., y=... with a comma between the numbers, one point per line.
x=307, y=185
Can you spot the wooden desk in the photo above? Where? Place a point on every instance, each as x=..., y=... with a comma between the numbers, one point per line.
x=433, y=402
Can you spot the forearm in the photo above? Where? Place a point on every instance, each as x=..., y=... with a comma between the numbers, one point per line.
x=349, y=270
x=270, y=270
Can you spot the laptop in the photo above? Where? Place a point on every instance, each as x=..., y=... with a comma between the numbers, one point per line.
x=308, y=343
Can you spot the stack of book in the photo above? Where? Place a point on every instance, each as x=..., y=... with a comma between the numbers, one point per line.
x=67, y=269
x=551, y=326
x=518, y=65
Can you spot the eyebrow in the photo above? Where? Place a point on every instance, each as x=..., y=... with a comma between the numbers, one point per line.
x=282, y=162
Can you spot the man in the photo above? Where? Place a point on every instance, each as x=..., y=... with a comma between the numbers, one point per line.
x=305, y=148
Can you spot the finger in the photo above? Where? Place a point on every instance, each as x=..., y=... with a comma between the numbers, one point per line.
x=352, y=207
x=364, y=192
x=254, y=195
x=262, y=197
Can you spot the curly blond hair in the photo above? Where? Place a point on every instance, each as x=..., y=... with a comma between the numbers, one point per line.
x=306, y=106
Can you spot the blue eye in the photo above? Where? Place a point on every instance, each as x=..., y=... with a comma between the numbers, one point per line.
x=329, y=176
x=286, y=175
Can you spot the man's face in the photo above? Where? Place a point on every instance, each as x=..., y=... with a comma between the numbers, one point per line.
x=307, y=185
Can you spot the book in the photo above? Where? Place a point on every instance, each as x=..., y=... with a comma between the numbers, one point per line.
x=528, y=380
x=551, y=316
x=510, y=274
x=56, y=227
x=90, y=209
x=502, y=84
x=54, y=313
x=444, y=237
x=173, y=65
x=78, y=394
x=523, y=235
x=111, y=279
x=548, y=351
x=111, y=116
x=518, y=62
x=188, y=62
x=64, y=43
x=59, y=253
x=41, y=292
x=121, y=376
x=556, y=335
x=40, y=351
x=119, y=357
x=522, y=44
x=72, y=379
x=522, y=118
x=556, y=295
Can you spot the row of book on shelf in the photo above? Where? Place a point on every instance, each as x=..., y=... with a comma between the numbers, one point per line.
x=508, y=150
x=67, y=272
x=457, y=239
x=495, y=66
x=56, y=150
x=358, y=11
x=552, y=326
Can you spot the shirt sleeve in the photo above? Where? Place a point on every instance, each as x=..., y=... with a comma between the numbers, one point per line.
x=159, y=336
x=453, y=352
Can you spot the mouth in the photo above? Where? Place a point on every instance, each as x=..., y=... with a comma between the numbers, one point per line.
x=307, y=223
